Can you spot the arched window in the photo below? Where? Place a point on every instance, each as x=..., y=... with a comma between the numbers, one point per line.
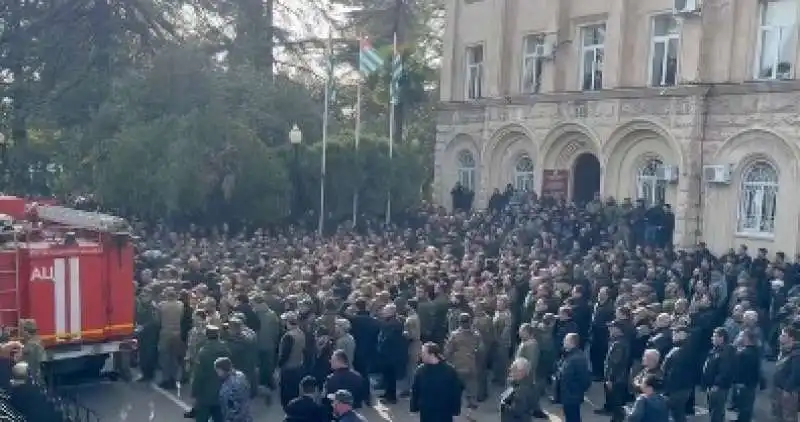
x=758, y=200
x=466, y=169
x=523, y=174
x=648, y=186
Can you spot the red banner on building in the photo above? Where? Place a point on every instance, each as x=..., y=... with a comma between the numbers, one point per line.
x=555, y=183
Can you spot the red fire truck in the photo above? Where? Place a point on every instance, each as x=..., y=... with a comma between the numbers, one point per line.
x=71, y=272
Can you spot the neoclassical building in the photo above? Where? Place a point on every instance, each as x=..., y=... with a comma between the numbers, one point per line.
x=698, y=107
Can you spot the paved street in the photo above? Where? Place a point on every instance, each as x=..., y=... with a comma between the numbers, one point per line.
x=134, y=402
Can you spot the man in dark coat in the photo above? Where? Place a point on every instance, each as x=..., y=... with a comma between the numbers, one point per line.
x=392, y=351
x=574, y=378
x=364, y=329
x=436, y=389
x=206, y=382
x=344, y=378
x=678, y=378
x=603, y=313
x=616, y=372
x=305, y=407
x=718, y=374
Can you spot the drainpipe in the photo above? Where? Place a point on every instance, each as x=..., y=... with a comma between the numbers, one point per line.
x=702, y=186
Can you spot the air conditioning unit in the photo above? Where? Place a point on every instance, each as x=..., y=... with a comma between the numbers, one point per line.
x=667, y=173
x=685, y=7
x=717, y=174
x=544, y=50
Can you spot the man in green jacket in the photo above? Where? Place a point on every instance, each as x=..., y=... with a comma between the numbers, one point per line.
x=206, y=382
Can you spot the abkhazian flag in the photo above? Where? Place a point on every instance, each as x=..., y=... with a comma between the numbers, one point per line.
x=329, y=67
x=368, y=59
x=397, y=73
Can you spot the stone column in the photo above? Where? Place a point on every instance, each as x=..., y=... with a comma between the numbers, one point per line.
x=449, y=73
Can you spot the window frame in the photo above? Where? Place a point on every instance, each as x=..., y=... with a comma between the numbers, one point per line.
x=761, y=29
x=592, y=47
x=528, y=176
x=665, y=39
x=743, y=229
x=650, y=182
x=469, y=66
x=538, y=62
x=462, y=170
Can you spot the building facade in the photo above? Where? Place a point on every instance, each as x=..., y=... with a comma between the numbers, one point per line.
x=699, y=109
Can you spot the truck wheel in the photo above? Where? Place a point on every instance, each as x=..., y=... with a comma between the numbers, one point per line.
x=122, y=365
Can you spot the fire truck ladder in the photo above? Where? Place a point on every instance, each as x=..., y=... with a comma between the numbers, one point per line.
x=11, y=313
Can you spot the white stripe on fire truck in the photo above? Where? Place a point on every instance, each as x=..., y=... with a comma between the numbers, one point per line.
x=60, y=294
x=75, y=322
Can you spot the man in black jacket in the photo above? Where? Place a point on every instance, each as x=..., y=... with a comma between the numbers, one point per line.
x=436, y=390
x=678, y=378
x=392, y=351
x=305, y=408
x=718, y=374
x=617, y=372
x=748, y=375
x=364, y=329
x=344, y=378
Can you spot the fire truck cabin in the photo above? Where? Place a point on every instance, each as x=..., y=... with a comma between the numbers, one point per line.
x=71, y=272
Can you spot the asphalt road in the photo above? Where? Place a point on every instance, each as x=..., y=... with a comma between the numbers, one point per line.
x=138, y=402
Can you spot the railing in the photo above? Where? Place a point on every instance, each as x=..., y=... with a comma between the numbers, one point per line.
x=7, y=412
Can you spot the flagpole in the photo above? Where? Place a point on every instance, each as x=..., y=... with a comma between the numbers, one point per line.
x=357, y=140
x=323, y=166
x=392, y=104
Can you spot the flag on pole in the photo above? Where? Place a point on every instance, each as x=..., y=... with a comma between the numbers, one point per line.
x=329, y=66
x=397, y=73
x=369, y=60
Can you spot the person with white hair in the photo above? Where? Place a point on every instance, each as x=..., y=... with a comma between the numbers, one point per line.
x=516, y=402
x=344, y=340
x=661, y=338
x=650, y=366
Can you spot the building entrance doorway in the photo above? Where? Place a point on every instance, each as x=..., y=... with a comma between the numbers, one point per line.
x=585, y=178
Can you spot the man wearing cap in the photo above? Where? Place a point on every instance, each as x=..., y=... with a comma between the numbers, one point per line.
x=290, y=358
x=463, y=349
x=343, y=407
x=785, y=392
x=678, y=378
x=205, y=382
x=32, y=350
x=616, y=372
x=170, y=345
x=147, y=334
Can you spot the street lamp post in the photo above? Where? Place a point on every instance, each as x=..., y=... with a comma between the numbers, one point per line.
x=296, y=138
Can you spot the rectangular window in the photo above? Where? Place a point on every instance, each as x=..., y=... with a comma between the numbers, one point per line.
x=776, y=39
x=593, y=40
x=532, y=59
x=474, y=78
x=664, y=51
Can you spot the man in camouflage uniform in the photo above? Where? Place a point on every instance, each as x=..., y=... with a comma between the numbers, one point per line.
x=548, y=352
x=786, y=379
x=147, y=334
x=267, y=339
x=170, y=345
x=32, y=350
x=244, y=351
x=412, y=333
x=291, y=353
x=206, y=382
x=503, y=329
x=195, y=341
x=484, y=325
x=462, y=350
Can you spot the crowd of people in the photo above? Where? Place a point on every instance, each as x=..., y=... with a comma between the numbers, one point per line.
x=537, y=296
